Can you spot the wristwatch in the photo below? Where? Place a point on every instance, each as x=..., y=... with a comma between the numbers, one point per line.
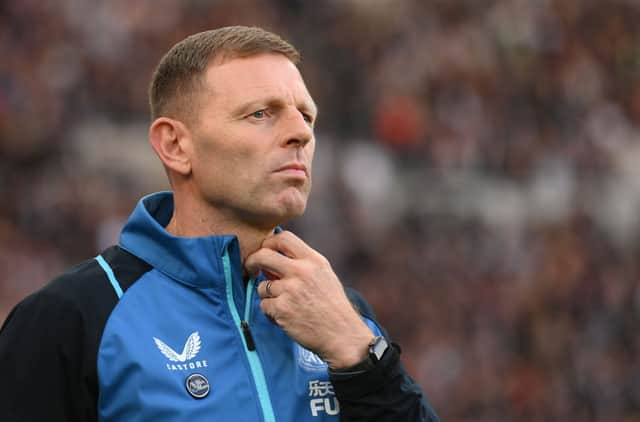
x=377, y=348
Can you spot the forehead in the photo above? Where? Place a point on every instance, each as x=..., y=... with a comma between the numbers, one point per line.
x=247, y=79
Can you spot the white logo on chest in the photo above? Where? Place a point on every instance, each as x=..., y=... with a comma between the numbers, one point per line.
x=189, y=351
x=324, y=398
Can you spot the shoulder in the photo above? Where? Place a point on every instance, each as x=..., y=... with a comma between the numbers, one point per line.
x=66, y=295
x=53, y=337
x=81, y=298
x=87, y=283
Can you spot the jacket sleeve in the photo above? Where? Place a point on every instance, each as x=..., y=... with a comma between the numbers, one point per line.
x=43, y=372
x=384, y=392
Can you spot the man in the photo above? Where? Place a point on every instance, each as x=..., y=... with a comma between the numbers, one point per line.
x=206, y=310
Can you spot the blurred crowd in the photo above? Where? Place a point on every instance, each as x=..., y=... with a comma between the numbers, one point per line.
x=477, y=175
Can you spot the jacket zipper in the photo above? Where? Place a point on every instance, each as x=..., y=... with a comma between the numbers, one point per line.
x=247, y=339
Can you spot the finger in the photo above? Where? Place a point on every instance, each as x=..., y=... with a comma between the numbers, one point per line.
x=266, y=305
x=288, y=244
x=269, y=261
x=269, y=289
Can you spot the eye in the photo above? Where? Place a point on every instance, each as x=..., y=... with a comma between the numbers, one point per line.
x=259, y=114
x=307, y=117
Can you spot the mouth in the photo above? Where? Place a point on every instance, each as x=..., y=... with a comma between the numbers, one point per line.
x=294, y=169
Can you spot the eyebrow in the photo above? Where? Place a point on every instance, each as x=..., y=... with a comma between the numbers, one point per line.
x=273, y=101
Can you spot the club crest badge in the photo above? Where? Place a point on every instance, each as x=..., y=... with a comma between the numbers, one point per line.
x=309, y=360
x=197, y=385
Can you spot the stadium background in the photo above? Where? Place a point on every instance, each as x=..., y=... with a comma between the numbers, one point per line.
x=477, y=175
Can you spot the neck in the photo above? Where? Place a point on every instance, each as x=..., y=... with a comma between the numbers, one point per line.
x=189, y=220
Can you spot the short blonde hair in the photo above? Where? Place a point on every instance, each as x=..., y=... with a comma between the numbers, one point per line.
x=178, y=76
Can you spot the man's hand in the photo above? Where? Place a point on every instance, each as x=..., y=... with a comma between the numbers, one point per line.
x=308, y=301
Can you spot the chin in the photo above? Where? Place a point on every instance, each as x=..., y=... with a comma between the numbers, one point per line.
x=293, y=202
x=279, y=209
x=297, y=212
x=290, y=211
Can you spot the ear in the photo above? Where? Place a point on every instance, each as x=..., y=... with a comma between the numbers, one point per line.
x=171, y=140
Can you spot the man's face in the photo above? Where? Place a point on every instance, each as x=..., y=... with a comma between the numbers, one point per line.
x=253, y=140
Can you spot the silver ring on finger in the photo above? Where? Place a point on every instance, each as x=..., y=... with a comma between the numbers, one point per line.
x=268, y=288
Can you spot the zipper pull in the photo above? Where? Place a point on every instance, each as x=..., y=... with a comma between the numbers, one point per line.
x=251, y=345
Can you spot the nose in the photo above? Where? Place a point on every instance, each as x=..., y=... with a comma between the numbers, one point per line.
x=297, y=131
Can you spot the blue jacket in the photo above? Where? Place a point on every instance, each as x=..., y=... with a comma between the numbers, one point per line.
x=163, y=328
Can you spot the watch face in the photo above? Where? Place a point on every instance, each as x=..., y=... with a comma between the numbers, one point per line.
x=378, y=348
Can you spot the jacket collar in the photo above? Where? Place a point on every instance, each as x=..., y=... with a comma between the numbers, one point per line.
x=194, y=261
